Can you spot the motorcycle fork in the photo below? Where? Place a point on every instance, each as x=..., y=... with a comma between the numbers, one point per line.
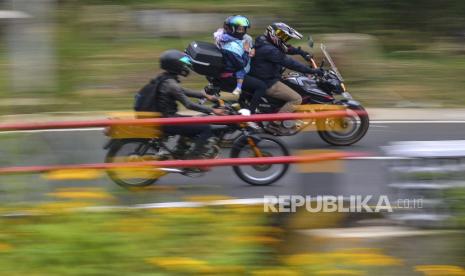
x=254, y=147
x=250, y=141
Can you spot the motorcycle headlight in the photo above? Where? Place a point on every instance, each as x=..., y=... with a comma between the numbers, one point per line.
x=106, y=131
x=343, y=87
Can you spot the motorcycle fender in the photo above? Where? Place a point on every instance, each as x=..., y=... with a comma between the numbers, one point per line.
x=242, y=140
x=351, y=103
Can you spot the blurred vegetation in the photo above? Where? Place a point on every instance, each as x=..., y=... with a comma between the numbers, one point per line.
x=391, y=53
x=58, y=239
x=456, y=197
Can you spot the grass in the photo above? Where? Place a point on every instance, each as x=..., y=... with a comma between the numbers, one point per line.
x=107, y=76
x=456, y=199
x=134, y=243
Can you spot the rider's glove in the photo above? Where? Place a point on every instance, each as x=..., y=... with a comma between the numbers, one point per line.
x=306, y=55
x=318, y=72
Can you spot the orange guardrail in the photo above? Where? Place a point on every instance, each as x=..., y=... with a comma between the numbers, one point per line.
x=186, y=163
x=174, y=121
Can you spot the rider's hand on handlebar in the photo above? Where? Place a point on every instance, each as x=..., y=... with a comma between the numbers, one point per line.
x=211, y=98
x=318, y=72
x=307, y=56
x=218, y=111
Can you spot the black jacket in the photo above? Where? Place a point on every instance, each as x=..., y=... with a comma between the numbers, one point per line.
x=269, y=61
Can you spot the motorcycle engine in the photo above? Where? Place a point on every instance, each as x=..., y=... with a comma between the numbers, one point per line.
x=289, y=124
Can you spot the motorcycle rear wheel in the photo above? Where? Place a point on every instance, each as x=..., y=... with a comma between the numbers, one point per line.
x=126, y=150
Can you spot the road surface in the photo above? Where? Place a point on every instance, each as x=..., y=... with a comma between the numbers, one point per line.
x=361, y=177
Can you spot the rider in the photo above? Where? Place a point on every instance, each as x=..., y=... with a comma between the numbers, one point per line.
x=236, y=47
x=162, y=94
x=271, y=58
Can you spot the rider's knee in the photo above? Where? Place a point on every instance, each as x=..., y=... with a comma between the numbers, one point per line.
x=297, y=100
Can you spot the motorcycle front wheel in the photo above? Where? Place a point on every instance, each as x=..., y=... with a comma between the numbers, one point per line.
x=132, y=150
x=260, y=175
x=344, y=131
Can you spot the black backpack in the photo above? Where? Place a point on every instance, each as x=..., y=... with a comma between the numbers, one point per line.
x=146, y=99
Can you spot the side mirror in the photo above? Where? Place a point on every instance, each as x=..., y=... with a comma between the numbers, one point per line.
x=310, y=41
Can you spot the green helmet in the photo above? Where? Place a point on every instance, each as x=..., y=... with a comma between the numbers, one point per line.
x=236, y=26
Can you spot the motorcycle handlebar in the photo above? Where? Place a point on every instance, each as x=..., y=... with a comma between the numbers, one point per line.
x=226, y=106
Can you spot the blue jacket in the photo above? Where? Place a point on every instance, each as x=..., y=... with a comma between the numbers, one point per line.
x=236, y=60
x=269, y=62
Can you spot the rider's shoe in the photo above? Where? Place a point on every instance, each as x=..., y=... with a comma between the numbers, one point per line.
x=237, y=91
x=210, y=149
x=182, y=147
x=202, y=150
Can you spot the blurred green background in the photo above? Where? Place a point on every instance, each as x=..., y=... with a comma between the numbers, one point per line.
x=89, y=55
x=100, y=52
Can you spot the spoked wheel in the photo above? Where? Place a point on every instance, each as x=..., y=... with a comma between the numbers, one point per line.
x=265, y=174
x=344, y=131
x=132, y=150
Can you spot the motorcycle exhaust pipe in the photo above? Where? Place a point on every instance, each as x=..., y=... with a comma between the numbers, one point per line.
x=170, y=170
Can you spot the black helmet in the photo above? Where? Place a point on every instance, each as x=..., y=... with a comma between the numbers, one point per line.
x=176, y=62
x=280, y=33
x=232, y=24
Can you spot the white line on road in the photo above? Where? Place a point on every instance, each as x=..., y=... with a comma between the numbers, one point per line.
x=377, y=125
x=192, y=204
x=373, y=232
x=377, y=158
x=158, y=205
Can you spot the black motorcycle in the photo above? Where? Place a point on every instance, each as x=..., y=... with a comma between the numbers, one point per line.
x=248, y=144
x=318, y=94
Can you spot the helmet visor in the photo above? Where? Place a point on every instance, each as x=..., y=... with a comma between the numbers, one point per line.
x=187, y=61
x=283, y=35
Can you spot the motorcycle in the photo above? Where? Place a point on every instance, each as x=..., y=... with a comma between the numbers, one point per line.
x=248, y=144
x=318, y=93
